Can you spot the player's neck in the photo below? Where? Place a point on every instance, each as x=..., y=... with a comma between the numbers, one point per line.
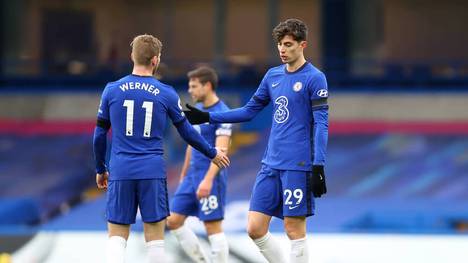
x=210, y=100
x=142, y=70
x=295, y=65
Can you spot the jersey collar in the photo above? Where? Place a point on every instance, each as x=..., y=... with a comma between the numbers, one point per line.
x=297, y=70
x=212, y=105
x=140, y=76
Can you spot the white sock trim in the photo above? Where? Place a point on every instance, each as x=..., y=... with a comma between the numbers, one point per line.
x=270, y=249
x=190, y=243
x=217, y=237
x=299, y=250
x=178, y=231
x=156, y=243
x=219, y=248
x=260, y=242
x=115, y=252
x=155, y=251
x=118, y=240
x=298, y=241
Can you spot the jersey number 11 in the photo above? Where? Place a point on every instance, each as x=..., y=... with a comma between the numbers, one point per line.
x=148, y=106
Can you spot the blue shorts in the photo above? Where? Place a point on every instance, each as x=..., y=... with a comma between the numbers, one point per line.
x=282, y=193
x=185, y=200
x=125, y=196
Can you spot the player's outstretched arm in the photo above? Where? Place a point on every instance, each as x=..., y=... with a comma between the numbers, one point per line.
x=196, y=116
x=242, y=114
x=259, y=100
x=192, y=137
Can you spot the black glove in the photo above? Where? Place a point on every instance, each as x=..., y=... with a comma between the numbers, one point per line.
x=318, y=181
x=196, y=116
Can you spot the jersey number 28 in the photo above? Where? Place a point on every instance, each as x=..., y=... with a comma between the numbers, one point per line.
x=148, y=106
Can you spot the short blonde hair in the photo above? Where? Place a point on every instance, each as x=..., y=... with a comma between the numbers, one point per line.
x=144, y=48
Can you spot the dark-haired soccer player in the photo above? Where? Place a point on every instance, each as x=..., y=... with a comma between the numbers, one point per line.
x=292, y=171
x=137, y=107
x=202, y=189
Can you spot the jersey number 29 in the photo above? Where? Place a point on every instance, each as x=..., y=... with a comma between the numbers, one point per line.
x=148, y=106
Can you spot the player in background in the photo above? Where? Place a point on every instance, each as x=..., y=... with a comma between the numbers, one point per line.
x=136, y=107
x=202, y=189
x=292, y=171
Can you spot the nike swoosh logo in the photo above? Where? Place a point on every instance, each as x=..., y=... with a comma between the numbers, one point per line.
x=292, y=207
x=208, y=212
x=274, y=84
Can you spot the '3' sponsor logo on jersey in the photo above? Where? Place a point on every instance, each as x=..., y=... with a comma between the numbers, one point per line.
x=282, y=112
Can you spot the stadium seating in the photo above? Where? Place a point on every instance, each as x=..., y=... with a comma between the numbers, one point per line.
x=41, y=174
x=377, y=183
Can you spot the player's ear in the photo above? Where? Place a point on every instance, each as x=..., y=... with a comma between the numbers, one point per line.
x=303, y=44
x=155, y=61
x=209, y=85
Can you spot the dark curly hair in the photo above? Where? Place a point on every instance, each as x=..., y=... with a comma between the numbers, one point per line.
x=205, y=74
x=293, y=27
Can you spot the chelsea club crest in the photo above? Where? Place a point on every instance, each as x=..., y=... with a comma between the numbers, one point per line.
x=297, y=86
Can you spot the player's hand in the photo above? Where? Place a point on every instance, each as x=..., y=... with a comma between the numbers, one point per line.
x=221, y=160
x=204, y=188
x=318, y=184
x=196, y=116
x=101, y=180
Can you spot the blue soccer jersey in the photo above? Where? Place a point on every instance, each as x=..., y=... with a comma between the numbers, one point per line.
x=185, y=201
x=137, y=108
x=300, y=103
x=209, y=132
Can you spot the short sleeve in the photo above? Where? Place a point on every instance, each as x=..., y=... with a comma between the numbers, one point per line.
x=103, y=110
x=224, y=129
x=174, y=109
